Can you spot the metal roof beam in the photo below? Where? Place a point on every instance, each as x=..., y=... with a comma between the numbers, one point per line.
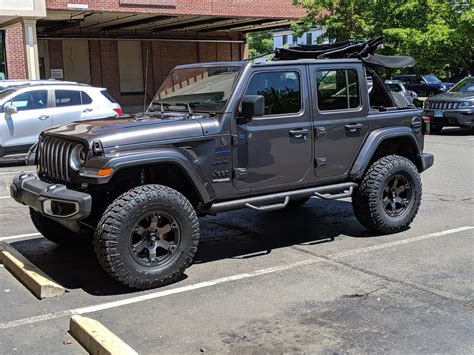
x=181, y=25
x=135, y=23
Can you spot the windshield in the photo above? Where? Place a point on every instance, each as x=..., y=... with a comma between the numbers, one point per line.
x=204, y=89
x=465, y=85
x=6, y=92
x=431, y=79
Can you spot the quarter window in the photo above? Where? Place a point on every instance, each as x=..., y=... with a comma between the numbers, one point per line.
x=337, y=89
x=31, y=100
x=280, y=89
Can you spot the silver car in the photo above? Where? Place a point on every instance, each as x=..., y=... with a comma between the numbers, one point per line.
x=27, y=110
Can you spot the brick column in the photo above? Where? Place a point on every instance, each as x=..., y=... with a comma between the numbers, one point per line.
x=15, y=52
x=22, y=50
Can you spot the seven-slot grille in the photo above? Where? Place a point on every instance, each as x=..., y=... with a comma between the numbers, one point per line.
x=54, y=156
x=443, y=105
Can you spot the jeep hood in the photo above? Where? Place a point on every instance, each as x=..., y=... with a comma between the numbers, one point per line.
x=454, y=96
x=129, y=130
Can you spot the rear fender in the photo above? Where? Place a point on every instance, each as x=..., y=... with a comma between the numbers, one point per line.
x=374, y=140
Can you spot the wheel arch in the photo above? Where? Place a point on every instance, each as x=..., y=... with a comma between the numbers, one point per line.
x=171, y=167
x=386, y=141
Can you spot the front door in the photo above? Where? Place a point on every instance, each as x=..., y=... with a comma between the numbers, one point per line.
x=341, y=123
x=21, y=129
x=275, y=149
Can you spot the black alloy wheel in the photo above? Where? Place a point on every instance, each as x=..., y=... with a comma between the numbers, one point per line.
x=155, y=238
x=397, y=196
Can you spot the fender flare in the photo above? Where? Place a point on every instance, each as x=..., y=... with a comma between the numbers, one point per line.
x=179, y=157
x=374, y=140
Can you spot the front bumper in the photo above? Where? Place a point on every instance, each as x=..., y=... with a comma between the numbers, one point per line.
x=427, y=160
x=460, y=118
x=52, y=200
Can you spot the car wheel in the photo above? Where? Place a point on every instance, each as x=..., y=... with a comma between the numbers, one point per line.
x=389, y=195
x=147, y=237
x=56, y=232
x=436, y=128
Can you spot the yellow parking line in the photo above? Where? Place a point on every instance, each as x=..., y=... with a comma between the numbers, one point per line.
x=96, y=338
x=27, y=273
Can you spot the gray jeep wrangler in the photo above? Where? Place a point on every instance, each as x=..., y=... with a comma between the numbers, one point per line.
x=224, y=136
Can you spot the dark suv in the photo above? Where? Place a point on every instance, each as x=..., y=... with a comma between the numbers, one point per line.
x=424, y=85
x=224, y=136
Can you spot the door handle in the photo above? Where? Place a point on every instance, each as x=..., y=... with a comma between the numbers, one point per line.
x=300, y=133
x=86, y=110
x=44, y=117
x=352, y=127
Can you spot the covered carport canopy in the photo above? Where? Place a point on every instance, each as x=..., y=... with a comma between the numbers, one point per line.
x=84, y=24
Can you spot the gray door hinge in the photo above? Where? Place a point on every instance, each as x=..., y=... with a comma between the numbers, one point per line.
x=240, y=173
x=318, y=162
x=320, y=132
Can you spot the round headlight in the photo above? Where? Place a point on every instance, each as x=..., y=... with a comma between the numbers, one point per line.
x=77, y=157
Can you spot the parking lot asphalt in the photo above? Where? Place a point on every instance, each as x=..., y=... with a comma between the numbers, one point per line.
x=310, y=280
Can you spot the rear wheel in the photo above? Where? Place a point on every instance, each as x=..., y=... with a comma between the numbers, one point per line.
x=56, y=232
x=436, y=128
x=389, y=195
x=147, y=237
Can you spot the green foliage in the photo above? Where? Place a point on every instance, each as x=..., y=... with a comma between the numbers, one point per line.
x=260, y=43
x=439, y=34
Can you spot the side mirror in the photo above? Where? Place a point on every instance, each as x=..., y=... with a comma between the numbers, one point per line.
x=10, y=110
x=252, y=106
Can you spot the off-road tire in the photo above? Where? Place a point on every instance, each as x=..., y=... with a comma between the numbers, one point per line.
x=367, y=199
x=436, y=128
x=112, y=237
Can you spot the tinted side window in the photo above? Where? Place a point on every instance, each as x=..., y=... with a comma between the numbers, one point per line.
x=337, y=89
x=280, y=89
x=67, y=98
x=108, y=96
x=86, y=99
x=31, y=100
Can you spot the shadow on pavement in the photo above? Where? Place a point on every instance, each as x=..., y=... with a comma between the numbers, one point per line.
x=239, y=235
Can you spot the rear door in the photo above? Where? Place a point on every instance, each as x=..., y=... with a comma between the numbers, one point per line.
x=275, y=149
x=22, y=129
x=72, y=105
x=340, y=118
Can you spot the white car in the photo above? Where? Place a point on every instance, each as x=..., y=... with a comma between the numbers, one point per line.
x=27, y=110
x=8, y=84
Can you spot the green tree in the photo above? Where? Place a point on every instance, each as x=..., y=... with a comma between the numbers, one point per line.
x=439, y=34
x=260, y=43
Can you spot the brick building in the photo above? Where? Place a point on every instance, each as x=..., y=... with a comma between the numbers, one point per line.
x=129, y=45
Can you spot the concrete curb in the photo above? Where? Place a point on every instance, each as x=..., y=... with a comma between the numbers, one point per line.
x=96, y=338
x=27, y=273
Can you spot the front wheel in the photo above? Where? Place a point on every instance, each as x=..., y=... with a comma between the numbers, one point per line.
x=147, y=237
x=389, y=195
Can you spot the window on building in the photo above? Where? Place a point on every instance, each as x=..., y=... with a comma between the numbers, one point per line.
x=337, y=89
x=31, y=100
x=309, y=38
x=295, y=39
x=281, y=90
x=3, y=66
x=285, y=39
x=130, y=66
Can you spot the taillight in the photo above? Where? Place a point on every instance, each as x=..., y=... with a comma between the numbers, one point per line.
x=118, y=111
x=426, y=125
